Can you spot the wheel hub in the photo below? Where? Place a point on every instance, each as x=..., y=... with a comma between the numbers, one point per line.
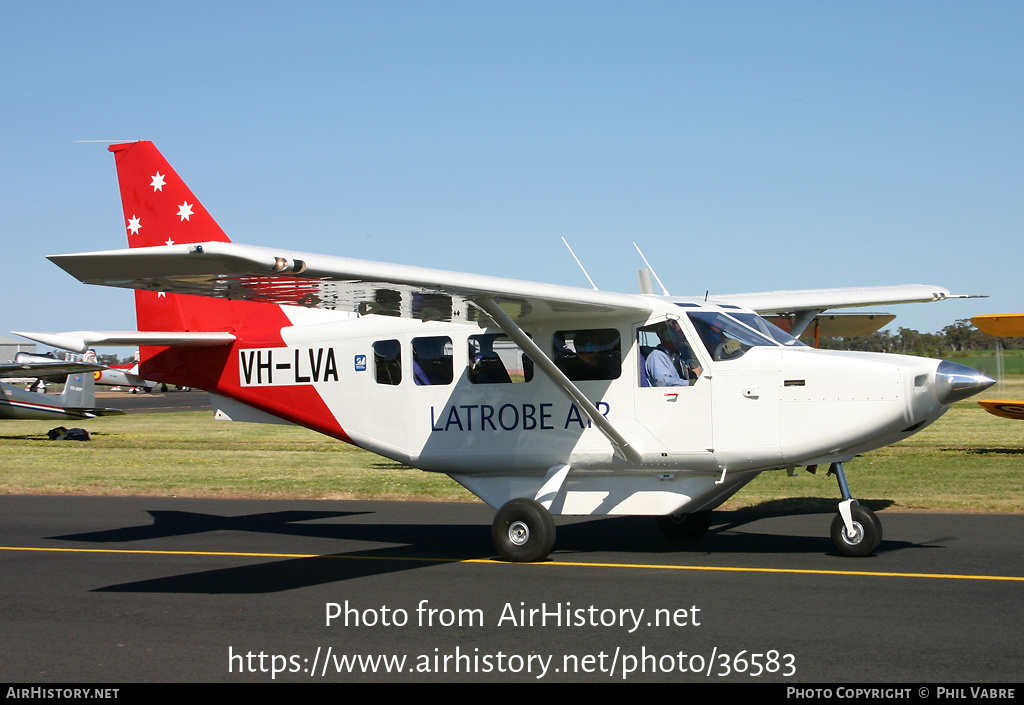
x=856, y=536
x=518, y=533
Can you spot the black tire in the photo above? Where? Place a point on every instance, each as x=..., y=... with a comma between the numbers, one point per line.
x=867, y=532
x=523, y=531
x=684, y=527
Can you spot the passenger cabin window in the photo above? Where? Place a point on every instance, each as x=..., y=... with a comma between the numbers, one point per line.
x=496, y=359
x=588, y=354
x=432, y=360
x=666, y=357
x=387, y=361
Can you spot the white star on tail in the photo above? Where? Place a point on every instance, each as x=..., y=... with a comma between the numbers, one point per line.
x=134, y=225
x=185, y=210
x=158, y=182
x=169, y=241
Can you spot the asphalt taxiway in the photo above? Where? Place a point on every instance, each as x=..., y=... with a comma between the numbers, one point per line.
x=154, y=402
x=140, y=589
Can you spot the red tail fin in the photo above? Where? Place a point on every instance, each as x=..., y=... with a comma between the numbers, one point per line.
x=159, y=209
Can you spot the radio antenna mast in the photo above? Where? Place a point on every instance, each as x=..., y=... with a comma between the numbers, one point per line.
x=581, y=266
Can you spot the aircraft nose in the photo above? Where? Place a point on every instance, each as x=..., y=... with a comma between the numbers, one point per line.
x=954, y=382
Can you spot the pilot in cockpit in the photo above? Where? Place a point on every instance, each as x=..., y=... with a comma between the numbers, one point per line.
x=672, y=363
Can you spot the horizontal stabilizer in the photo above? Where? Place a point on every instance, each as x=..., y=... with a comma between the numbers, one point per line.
x=81, y=340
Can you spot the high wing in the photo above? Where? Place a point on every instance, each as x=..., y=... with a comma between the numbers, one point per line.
x=242, y=272
x=834, y=324
x=1003, y=325
x=802, y=307
x=849, y=297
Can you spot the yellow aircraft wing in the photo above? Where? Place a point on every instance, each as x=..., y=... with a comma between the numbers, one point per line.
x=1002, y=407
x=1004, y=325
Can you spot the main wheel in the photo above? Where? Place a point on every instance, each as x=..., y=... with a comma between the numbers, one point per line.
x=866, y=536
x=685, y=527
x=523, y=531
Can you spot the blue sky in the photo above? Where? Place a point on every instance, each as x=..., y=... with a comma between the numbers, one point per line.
x=746, y=146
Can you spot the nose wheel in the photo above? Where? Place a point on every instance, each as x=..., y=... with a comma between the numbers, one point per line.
x=856, y=531
x=864, y=536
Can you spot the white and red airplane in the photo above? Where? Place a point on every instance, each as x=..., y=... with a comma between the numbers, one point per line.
x=542, y=400
x=104, y=375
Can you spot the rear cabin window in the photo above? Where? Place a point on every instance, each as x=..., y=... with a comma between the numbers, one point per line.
x=432, y=360
x=583, y=355
x=387, y=362
x=496, y=359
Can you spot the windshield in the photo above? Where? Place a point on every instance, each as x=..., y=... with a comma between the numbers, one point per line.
x=724, y=337
x=771, y=330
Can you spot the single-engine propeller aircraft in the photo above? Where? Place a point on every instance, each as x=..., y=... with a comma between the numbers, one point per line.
x=542, y=400
x=1002, y=325
x=77, y=401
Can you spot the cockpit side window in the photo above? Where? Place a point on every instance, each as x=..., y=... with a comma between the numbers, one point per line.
x=666, y=358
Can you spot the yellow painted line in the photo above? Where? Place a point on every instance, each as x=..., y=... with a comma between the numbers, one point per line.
x=574, y=564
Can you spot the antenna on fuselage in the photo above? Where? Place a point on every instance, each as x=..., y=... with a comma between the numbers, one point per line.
x=581, y=265
x=663, y=289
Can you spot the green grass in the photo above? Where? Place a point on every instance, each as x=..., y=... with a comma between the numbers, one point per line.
x=191, y=454
x=985, y=361
x=967, y=461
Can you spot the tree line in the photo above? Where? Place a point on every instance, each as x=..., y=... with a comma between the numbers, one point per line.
x=960, y=336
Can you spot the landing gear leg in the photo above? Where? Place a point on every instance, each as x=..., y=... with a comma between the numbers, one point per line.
x=523, y=531
x=856, y=531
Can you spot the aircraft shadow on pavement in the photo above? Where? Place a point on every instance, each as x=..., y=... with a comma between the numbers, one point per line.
x=419, y=545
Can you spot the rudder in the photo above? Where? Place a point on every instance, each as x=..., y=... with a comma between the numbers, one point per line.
x=79, y=391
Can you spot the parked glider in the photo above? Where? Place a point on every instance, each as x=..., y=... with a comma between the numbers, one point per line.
x=537, y=398
x=77, y=401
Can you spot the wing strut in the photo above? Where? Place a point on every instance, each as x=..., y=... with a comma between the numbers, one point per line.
x=505, y=322
x=801, y=321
